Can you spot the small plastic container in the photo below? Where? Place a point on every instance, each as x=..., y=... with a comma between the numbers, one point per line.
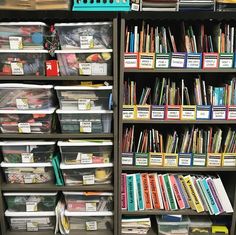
x=87, y=62
x=90, y=35
x=87, y=174
x=23, y=62
x=31, y=221
x=22, y=35
x=170, y=228
x=90, y=221
x=30, y=202
x=200, y=225
x=86, y=151
x=28, y=173
x=18, y=96
x=88, y=121
x=27, y=151
x=84, y=97
x=26, y=121
x=88, y=201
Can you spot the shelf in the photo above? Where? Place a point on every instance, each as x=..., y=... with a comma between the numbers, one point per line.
x=59, y=78
x=52, y=187
x=180, y=70
x=150, y=232
x=31, y=233
x=75, y=232
x=163, y=212
x=55, y=136
x=179, y=121
x=178, y=169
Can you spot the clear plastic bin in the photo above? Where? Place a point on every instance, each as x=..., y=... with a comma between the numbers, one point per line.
x=87, y=174
x=22, y=35
x=74, y=63
x=31, y=221
x=90, y=221
x=26, y=121
x=170, y=228
x=86, y=151
x=27, y=151
x=30, y=202
x=27, y=62
x=200, y=225
x=88, y=201
x=17, y=96
x=88, y=121
x=35, y=5
x=90, y=35
x=28, y=173
x=85, y=97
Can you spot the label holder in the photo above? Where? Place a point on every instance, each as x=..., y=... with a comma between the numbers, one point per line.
x=146, y=60
x=194, y=60
x=131, y=60
x=163, y=60
x=178, y=60
x=158, y=112
x=210, y=60
x=188, y=112
x=155, y=159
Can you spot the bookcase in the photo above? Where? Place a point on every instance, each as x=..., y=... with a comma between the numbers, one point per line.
x=51, y=18
x=145, y=77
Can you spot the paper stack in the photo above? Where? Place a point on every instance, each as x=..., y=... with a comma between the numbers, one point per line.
x=136, y=225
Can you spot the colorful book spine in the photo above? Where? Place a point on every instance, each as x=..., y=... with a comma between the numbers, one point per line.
x=153, y=187
x=163, y=192
x=178, y=195
x=139, y=192
x=131, y=195
x=146, y=192
x=123, y=192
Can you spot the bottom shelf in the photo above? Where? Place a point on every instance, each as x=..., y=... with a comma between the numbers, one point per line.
x=152, y=231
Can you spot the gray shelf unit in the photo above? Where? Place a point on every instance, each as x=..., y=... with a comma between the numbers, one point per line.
x=228, y=173
x=54, y=17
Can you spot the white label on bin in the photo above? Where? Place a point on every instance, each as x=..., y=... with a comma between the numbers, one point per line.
x=158, y=114
x=90, y=206
x=32, y=227
x=135, y=7
x=85, y=68
x=184, y=161
x=91, y=225
x=210, y=63
x=86, y=158
x=214, y=161
x=22, y=103
x=15, y=43
x=88, y=179
x=193, y=63
x=128, y=113
x=162, y=63
x=28, y=179
x=177, y=62
x=232, y=115
x=226, y=63
x=219, y=114
x=24, y=127
x=170, y=161
x=17, y=68
x=199, y=161
x=31, y=206
x=27, y=157
x=202, y=114
x=146, y=62
x=84, y=104
x=86, y=127
x=130, y=61
x=86, y=42
x=127, y=160
x=99, y=69
x=173, y=114
x=229, y=162
x=156, y=160
x=188, y=114
x=141, y=162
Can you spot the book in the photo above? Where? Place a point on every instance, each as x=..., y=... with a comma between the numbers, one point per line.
x=153, y=186
x=131, y=195
x=123, y=192
x=139, y=191
x=146, y=191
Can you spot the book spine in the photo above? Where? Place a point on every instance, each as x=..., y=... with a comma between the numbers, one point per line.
x=139, y=192
x=130, y=192
x=164, y=196
x=153, y=187
x=177, y=193
x=123, y=192
x=146, y=191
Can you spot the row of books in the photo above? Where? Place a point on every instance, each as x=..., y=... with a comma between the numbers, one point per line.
x=151, y=37
x=188, y=140
x=167, y=91
x=174, y=192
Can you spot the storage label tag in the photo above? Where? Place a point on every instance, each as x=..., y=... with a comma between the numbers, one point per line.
x=24, y=127
x=90, y=206
x=86, y=42
x=22, y=103
x=99, y=69
x=27, y=157
x=85, y=68
x=17, y=68
x=130, y=60
x=85, y=127
x=31, y=206
x=15, y=43
x=178, y=60
x=86, y=158
x=88, y=179
x=91, y=225
x=84, y=104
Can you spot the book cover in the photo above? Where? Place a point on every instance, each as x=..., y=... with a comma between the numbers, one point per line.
x=139, y=191
x=146, y=191
x=123, y=192
x=153, y=187
x=131, y=195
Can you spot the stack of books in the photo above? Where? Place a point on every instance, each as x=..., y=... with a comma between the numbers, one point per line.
x=135, y=225
x=174, y=192
x=226, y=5
x=196, y=5
x=159, y=5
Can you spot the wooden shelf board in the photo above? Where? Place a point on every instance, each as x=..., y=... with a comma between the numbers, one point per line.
x=150, y=232
x=179, y=121
x=54, y=136
x=73, y=232
x=170, y=70
x=52, y=187
x=178, y=169
x=59, y=78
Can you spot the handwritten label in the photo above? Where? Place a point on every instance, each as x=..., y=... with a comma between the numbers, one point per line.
x=143, y=113
x=226, y=63
x=210, y=62
x=86, y=158
x=170, y=161
x=188, y=114
x=86, y=42
x=193, y=63
x=199, y=160
x=130, y=61
x=229, y=160
x=146, y=61
x=128, y=113
x=85, y=127
x=162, y=63
x=90, y=206
x=232, y=113
x=17, y=68
x=126, y=160
x=22, y=103
x=214, y=161
x=219, y=114
x=15, y=43
x=91, y=225
x=203, y=114
x=177, y=61
x=184, y=161
x=141, y=161
x=31, y=206
x=24, y=128
x=29, y=179
x=27, y=157
x=155, y=160
x=99, y=69
x=158, y=114
x=85, y=68
x=84, y=104
x=88, y=179
x=173, y=114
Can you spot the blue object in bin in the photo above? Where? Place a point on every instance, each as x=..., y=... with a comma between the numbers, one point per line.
x=101, y=5
x=37, y=38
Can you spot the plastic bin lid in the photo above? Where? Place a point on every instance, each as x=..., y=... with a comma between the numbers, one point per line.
x=23, y=23
x=30, y=194
x=200, y=222
x=85, y=214
x=89, y=51
x=20, y=85
x=64, y=166
x=24, y=51
x=61, y=111
x=84, y=143
x=26, y=143
x=29, y=214
x=160, y=221
x=19, y=165
x=27, y=111
x=89, y=193
x=65, y=88
x=81, y=24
